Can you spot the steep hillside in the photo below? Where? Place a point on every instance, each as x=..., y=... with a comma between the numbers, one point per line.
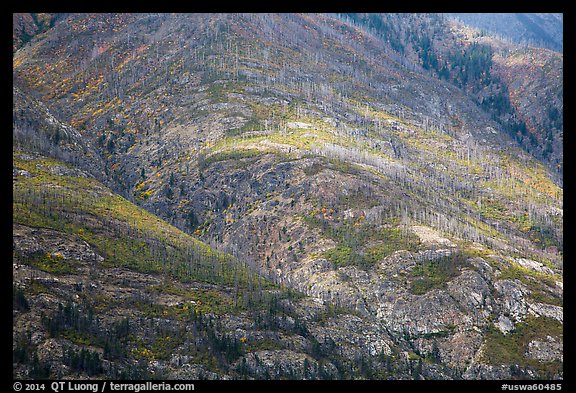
x=35, y=128
x=520, y=87
x=25, y=26
x=538, y=102
x=327, y=152
x=104, y=289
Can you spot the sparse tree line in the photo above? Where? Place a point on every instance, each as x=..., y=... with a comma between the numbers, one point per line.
x=438, y=189
x=127, y=344
x=469, y=67
x=129, y=243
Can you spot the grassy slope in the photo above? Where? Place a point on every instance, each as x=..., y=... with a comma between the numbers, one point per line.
x=94, y=326
x=126, y=235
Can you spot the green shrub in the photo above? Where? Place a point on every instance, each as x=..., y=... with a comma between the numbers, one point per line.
x=435, y=273
x=234, y=155
x=504, y=349
x=50, y=263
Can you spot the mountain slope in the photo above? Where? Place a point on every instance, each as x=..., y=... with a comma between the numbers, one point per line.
x=328, y=154
x=544, y=30
x=25, y=26
x=520, y=87
x=104, y=289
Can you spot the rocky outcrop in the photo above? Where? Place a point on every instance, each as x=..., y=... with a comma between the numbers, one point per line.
x=545, y=350
x=547, y=310
x=34, y=241
x=473, y=294
x=504, y=324
x=512, y=298
x=534, y=265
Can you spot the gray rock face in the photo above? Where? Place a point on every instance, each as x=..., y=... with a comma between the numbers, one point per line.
x=483, y=268
x=472, y=293
x=547, y=310
x=504, y=324
x=460, y=348
x=188, y=371
x=483, y=371
x=353, y=335
x=512, y=298
x=278, y=364
x=20, y=172
x=433, y=313
x=29, y=241
x=534, y=265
